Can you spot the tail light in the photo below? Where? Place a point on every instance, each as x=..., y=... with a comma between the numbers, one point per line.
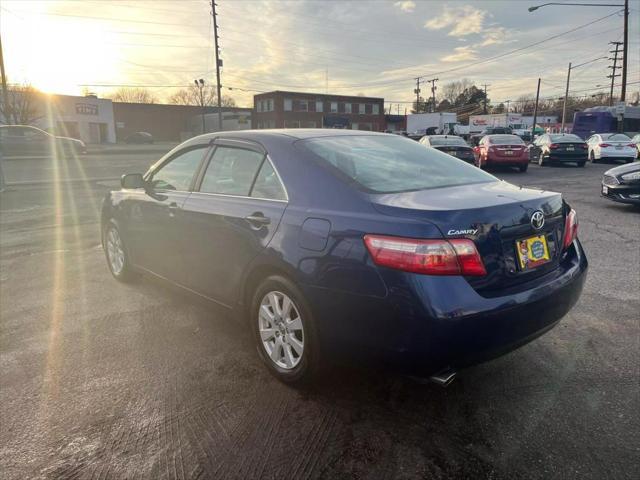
x=570, y=229
x=429, y=257
x=604, y=145
x=632, y=145
x=553, y=146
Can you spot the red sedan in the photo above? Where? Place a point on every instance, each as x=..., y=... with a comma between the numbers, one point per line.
x=507, y=150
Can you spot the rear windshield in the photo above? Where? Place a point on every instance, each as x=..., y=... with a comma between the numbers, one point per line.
x=447, y=141
x=616, y=136
x=505, y=140
x=386, y=164
x=565, y=138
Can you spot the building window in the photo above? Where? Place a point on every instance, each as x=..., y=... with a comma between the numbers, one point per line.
x=270, y=105
x=347, y=108
x=367, y=109
x=361, y=108
x=376, y=109
x=303, y=106
x=319, y=106
x=334, y=107
x=288, y=105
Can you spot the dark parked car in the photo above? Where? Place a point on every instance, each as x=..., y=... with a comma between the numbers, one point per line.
x=450, y=144
x=505, y=150
x=475, y=139
x=559, y=148
x=334, y=243
x=622, y=184
x=25, y=140
x=139, y=138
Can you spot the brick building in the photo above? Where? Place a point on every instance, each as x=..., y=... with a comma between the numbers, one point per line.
x=280, y=109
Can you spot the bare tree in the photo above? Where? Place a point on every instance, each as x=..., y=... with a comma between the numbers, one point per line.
x=133, y=95
x=452, y=90
x=191, y=96
x=524, y=104
x=22, y=107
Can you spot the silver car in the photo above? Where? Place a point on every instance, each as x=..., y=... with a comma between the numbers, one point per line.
x=25, y=140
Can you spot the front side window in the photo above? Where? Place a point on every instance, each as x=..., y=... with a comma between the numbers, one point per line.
x=231, y=171
x=389, y=164
x=178, y=173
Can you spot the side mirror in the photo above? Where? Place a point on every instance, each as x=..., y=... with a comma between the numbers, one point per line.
x=132, y=180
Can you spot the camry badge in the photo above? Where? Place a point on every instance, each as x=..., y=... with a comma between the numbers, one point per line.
x=537, y=220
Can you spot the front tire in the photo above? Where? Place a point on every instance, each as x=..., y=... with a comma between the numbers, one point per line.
x=523, y=168
x=284, y=330
x=116, y=254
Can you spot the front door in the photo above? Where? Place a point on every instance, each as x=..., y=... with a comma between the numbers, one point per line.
x=231, y=217
x=154, y=222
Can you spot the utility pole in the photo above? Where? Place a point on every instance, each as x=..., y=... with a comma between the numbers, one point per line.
x=417, y=92
x=5, y=93
x=218, y=61
x=564, y=103
x=625, y=52
x=484, y=107
x=614, y=67
x=535, y=112
x=433, y=93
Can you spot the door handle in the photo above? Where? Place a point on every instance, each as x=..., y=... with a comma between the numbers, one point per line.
x=173, y=206
x=257, y=220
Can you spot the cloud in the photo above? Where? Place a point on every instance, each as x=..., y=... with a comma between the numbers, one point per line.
x=494, y=36
x=463, y=20
x=460, y=54
x=406, y=5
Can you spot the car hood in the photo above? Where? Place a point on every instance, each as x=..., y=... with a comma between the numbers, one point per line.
x=622, y=169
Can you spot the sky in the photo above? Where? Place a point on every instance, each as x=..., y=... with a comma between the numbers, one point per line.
x=359, y=47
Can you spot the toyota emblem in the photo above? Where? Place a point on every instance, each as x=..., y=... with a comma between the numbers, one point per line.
x=537, y=220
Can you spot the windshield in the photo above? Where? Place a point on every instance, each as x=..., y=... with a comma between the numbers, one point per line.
x=447, y=141
x=565, y=138
x=505, y=140
x=621, y=137
x=385, y=164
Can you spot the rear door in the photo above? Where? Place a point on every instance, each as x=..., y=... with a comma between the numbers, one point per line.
x=230, y=218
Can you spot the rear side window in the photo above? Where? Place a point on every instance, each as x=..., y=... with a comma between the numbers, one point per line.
x=620, y=137
x=231, y=171
x=565, y=138
x=267, y=184
x=388, y=163
x=438, y=141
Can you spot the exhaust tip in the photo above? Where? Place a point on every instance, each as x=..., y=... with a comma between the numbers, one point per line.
x=444, y=377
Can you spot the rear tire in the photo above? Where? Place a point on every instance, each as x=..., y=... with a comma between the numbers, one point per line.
x=523, y=168
x=284, y=330
x=116, y=254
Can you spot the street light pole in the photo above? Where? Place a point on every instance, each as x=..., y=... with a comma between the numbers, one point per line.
x=626, y=33
x=218, y=61
x=200, y=85
x=566, y=94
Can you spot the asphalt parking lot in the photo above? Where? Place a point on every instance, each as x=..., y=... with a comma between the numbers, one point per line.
x=104, y=380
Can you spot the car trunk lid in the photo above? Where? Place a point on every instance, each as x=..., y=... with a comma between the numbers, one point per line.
x=494, y=215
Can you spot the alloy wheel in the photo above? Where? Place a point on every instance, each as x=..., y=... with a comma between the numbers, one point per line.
x=115, y=251
x=281, y=330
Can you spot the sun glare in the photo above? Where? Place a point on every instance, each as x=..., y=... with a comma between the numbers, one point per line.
x=57, y=54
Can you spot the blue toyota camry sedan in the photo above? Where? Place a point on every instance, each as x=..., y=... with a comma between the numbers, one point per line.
x=344, y=244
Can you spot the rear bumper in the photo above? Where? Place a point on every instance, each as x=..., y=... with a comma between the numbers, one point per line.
x=494, y=160
x=428, y=323
x=567, y=158
x=624, y=154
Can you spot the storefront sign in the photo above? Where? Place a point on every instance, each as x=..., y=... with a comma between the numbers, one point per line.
x=86, y=109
